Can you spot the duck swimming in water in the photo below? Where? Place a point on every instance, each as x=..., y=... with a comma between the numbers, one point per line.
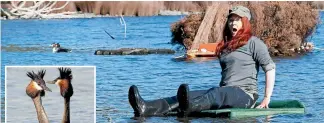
x=57, y=48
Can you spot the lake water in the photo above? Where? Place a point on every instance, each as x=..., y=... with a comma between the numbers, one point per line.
x=156, y=76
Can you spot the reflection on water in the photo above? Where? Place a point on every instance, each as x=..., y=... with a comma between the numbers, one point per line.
x=15, y=48
x=156, y=76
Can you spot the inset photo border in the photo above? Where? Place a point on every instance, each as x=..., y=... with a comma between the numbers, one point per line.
x=50, y=93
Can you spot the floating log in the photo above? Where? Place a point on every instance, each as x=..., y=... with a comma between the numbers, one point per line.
x=134, y=51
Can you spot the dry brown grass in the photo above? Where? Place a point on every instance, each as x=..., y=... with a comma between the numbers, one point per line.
x=133, y=8
x=115, y=8
x=282, y=25
x=129, y=8
x=70, y=7
x=85, y=6
x=317, y=4
x=185, y=5
x=184, y=31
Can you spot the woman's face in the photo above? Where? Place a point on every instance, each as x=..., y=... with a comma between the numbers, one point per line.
x=234, y=24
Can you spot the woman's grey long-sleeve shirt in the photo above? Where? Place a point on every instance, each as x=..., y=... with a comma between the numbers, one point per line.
x=241, y=67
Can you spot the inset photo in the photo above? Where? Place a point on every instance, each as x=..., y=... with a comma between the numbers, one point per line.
x=42, y=94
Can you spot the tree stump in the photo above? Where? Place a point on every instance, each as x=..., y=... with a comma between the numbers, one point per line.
x=218, y=11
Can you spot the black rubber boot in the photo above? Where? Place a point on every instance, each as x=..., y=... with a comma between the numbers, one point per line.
x=189, y=104
x=158, y=107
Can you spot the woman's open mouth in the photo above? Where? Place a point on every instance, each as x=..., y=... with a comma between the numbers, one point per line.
x=234, y=30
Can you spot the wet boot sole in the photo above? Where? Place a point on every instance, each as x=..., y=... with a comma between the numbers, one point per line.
x=132, y=100
x=183, y=99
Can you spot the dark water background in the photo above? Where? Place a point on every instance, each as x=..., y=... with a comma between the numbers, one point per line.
x=156, y=76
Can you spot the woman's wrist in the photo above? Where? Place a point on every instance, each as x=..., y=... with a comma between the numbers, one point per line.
x=266, y=96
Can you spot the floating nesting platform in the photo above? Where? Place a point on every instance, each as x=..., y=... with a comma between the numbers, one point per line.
x=275, y=107
x=134, y=51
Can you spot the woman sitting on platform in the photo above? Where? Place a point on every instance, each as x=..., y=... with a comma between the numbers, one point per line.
x=240, y=55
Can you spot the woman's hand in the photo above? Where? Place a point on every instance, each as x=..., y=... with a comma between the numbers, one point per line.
x=265, y=103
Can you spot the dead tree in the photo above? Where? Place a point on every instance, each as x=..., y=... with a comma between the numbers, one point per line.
x=214, y=19
x=37, y=9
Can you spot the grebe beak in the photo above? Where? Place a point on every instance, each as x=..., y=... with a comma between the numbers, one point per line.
x=43, y=85
x=52, y=82
x=47, y=89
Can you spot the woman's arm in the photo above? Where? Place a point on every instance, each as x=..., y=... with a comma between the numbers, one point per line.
x=261, y=55
x=270, y=80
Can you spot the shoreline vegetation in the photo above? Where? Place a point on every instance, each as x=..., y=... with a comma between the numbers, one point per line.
x=79, y=15
x=89, y=9
x=75, y=15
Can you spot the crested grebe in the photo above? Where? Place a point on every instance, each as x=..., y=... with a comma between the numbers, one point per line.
x=57, y=48
x=66, y=90
x=35, y=90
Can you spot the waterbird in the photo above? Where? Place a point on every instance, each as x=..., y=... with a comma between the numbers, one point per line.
x=35, y=90
x=57, y=48
x=66, y=90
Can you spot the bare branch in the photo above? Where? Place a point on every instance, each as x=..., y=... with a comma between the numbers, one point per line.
x=40, y=9
x=45, y=6
x=66, y=3
x=122, y=22
x=48, y=9
x=6, y=13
